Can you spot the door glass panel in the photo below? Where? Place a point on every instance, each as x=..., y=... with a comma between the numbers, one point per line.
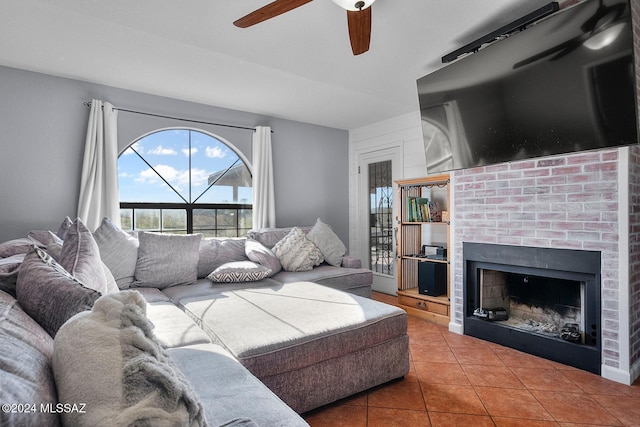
x=380, y=218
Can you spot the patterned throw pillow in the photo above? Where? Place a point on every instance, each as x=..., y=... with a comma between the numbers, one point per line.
x=239, y=271
x=296, y=252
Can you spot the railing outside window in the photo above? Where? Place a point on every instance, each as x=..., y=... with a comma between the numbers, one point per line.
x=211, y=220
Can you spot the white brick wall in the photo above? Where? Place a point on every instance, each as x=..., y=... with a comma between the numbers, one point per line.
x=566, y=202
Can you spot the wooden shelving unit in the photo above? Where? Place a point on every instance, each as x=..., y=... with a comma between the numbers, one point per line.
x=415, y=229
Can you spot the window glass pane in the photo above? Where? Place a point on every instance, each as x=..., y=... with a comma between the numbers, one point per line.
x=174, y=220
x=147, y=219
x=126, y=216
x=227, y=219
x=204, y=219
x=245, y=219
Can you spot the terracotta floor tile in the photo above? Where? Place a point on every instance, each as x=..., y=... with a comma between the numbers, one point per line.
x=512, y=403
x=519, y=422
x=460, y=399
x=595, y=384
x=338, y=416
x=388, y=417
x=491, y=376
x=432, y=353
x=440, y=373
x=575, y=408
x=476, y=356
x=446, y=419
x=517, y=359
x=624, y=408
x=456, y=380
x=545, y=379
x=398, y=394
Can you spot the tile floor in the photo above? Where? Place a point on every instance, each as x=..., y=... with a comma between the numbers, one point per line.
x=463, y=381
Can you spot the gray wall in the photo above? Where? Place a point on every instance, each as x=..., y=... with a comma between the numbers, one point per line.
x=43, y=124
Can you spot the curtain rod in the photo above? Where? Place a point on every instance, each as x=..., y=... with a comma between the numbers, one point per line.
x=88, y=104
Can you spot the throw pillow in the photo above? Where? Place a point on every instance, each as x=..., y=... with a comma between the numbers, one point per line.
x=166, y=260
x=9, y=273
x=64, y=227
x=217, y=251
x=17, y=246
x=80, y=256
x=25, y=366
x=259, y=253
x=48, y=293
x=239, y=271
x=328, y=242
x=109, y=359
x=296, y=252
x=119, y=251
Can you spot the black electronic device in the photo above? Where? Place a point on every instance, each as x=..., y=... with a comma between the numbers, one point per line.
x=432, y=278
x=564, y=84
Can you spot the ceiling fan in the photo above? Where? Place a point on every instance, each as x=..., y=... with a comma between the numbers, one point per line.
x=358, y=18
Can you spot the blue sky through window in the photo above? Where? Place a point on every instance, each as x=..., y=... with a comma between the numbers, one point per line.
x=185, y=159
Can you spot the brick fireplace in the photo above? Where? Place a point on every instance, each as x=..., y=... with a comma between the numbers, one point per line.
x=584, y=201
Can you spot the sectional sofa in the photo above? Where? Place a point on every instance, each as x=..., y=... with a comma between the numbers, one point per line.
x=106, y=327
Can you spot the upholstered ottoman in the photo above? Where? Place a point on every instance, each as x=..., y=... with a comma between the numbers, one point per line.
x=310, y=344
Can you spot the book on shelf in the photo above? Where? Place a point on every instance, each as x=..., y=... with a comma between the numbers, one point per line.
x=418, y=209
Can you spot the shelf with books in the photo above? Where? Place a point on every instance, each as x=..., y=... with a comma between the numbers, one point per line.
x=423, y=237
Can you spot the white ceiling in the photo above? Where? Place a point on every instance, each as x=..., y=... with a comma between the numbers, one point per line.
x=296, y=66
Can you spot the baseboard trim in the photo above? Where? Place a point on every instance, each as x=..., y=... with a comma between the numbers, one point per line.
x=620, y=376
x=456, y=328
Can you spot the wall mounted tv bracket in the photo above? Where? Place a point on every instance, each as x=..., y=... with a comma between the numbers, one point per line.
x=517, y=25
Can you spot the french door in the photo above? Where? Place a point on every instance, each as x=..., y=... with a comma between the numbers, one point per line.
x=377, y=171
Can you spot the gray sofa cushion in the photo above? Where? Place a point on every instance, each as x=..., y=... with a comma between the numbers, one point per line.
x=280, y=327
x=207, y=287
x=228, y=391
x=172, y=327
x=119, y=251
x=217, y=251
x=166, y=260
x=48, y=293
x=25, y=372
x=336, y=277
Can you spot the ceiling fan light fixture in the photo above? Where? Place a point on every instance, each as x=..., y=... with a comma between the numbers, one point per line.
x=354, y=5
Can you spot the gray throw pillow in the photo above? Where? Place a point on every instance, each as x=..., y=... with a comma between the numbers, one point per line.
x=119, y=251
x=9, y=273
x=25, y=366
x=328, y=242
x=80, y=256
x=239, y=271
x=166, y=260
x=48, y=293
x=109, y=359
x=17, y=246
x=216, y=251
x=262, y=255
x=64, y=227
x=296, y=252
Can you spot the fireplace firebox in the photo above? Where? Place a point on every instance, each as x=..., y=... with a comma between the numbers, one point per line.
x=543, y=301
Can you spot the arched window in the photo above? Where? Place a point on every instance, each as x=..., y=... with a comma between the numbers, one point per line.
x=184, y=181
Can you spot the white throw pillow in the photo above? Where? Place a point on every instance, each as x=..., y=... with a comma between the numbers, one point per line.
x=328, y=242
x=296, y=252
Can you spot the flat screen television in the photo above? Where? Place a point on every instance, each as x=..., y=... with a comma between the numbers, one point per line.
x=564, y=84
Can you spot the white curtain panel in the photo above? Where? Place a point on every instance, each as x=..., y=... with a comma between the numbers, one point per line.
x=264, y=205
x=99, y=181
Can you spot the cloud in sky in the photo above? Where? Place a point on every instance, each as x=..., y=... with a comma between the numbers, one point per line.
x=215, y=152
x=162, y=151
x=185, y=151
x=173, y=176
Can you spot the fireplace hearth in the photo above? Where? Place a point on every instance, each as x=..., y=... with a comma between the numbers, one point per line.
x=542, y=301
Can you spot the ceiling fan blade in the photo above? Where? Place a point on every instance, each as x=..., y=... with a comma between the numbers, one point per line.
x=269, y=11
x=359, y=30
